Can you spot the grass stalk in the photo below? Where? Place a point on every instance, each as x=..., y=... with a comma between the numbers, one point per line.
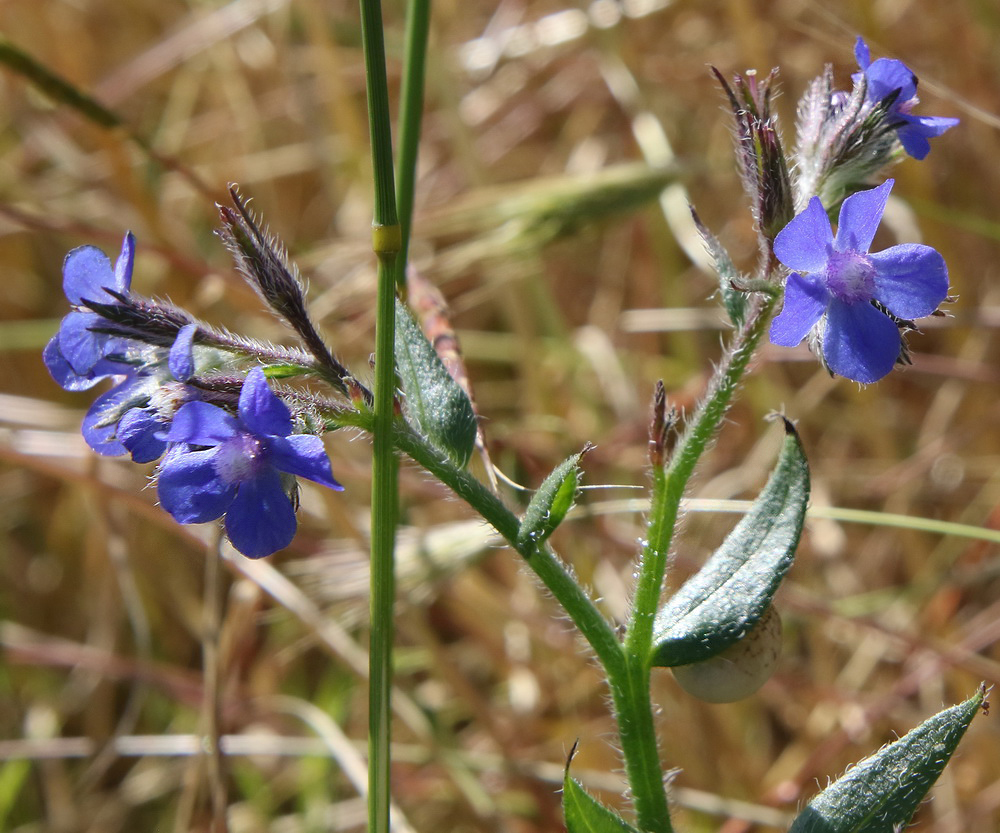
x=386, y=244
x=411, y=110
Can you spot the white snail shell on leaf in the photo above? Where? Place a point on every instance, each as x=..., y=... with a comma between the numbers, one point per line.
x=739, y=670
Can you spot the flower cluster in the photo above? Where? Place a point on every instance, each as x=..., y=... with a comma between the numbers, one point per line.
x=846, y=138
x=230, y=447
x=854, y=305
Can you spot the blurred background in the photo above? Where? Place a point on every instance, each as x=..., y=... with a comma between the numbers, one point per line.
x=574, y=285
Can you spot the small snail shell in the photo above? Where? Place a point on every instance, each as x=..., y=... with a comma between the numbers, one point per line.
x=739, y=670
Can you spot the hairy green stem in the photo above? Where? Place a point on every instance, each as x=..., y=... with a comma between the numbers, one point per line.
x=553, y=572
x=669, y=486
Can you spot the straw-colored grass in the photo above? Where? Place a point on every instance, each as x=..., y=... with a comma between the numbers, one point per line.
x=572, y=294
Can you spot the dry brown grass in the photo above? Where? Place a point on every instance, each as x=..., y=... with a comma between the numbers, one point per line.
x=103, y=598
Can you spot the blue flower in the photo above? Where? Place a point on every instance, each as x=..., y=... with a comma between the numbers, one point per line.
x=76, y=356
x=886, y=77
x=836, y=280
x=220, y=464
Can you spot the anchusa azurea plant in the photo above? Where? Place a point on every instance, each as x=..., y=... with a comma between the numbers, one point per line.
x=233, y=432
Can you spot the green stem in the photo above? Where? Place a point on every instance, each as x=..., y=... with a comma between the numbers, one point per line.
x=553, y=572
x=630, y=692
x=386, y=243
x=637, y=733
x=411, y=109
x=669, y=486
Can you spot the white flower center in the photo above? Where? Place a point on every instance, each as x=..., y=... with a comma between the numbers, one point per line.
x=239, y=458
x=850, y=277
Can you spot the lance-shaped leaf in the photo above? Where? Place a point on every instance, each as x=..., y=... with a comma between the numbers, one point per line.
x=550, y=503
x=436, y=406
x=585, y=814
x=718, y=605
x=734, y=301
x=880, y=794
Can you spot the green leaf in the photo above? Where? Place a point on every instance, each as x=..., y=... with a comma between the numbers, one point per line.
x=436, y=406
x=550, y=503
x=717, y=606
x=734, y=301
x=880, y=794
x=585, y=814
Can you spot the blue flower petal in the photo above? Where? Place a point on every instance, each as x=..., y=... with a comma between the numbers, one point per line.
x=862, y=54
x=86, y=271
x=859, y=218
x=123, y=266
x=263, y=412
x=303, y=455
x=79, y=345
x=859, y=342
x=887, y=75
x=103, y=438
x=805, y=302
x=911, y=280
x=138, y=431
x=200, y=423
x=181, y=359
x=261, y=519
x=918, y=129
x=803, y=245
x=189, y=488
x=62, y=371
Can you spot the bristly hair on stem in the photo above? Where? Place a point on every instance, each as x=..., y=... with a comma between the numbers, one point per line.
x=263, y=261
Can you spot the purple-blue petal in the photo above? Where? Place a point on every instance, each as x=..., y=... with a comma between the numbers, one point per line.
x=860, y=216
x=914, y=135
x=911, y=280
x=263, y=412
x=303, y=455
x=200, y=423
x=181, y=359
x=804, y=244
x=189, y=488
x=139, y=431
x=862, y=54
x=100, y=437
x=79, y=344
x=887, y=75
x=123, y=266
x=86, y=271
x=62, y=371
x=859, y=342
x=261, y=519
x=805, y=302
